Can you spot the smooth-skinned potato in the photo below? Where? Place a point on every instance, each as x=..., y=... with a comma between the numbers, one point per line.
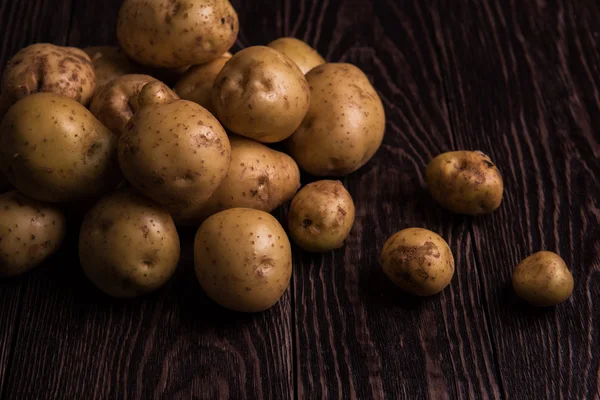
x=175, y=33
x=418, y=261
x=261, y=94
x=110, y=62
x=305, y=57
x=53, y=149
x=543, y=279
x=243, y=259
x=44, y=67
x=30, y=232
x=344, y=125
x=128, y=245
x=196, y=84
x=465, y=182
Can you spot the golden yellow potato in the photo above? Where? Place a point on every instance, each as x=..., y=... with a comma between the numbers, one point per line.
x=176, y=33
x=44, y=67
x=110, y=62
x=128, y=245
x=543, y=279
x=53, y=149
x=465, y=182
x=344, y=125
x=243, y=259
x=305, y=57
x=196, y=84
x=418, y=261
x=321, y=216
x=261, y=94
x=30, y=232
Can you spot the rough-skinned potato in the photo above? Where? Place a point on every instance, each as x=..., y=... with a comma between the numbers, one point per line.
x=465, y=182
x=53, y=149
x=110, y=62
x=543, y=279
x=175, y=33
x=128, y=245
x=261, y=94
x=305, y=57
x=196, y=84
x=30, y=232
x=344, y=125
x=418, y=261
x=243, y=259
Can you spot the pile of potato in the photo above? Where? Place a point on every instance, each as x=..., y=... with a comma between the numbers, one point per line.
x=176, y=133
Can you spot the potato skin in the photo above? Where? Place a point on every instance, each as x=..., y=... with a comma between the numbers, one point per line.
x=30, y=231
x=175, y=33
x=44, y=67
x=465, y=182
x=305, y=57
x=53, y=149
x=344, y=125
x=321, y=216
x=543, y=279
x=196, y=84
x=243, y=259
x=261, y=94
x=110, y=62
x=418, y=261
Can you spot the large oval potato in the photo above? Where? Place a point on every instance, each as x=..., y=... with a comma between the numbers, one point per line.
x=344, y=125
x=243, y=259
x=176, y=33
x=30, y=231
x=128, y=245
x=196, y=84
x=261, y=94
x=110, y=62
x=53, y=149
x=305, y=57
x=44, y=67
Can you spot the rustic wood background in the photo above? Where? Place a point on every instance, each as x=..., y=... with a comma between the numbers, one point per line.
x=517, y=79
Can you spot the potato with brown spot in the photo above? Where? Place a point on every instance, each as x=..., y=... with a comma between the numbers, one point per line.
x=543, y=279
x=465, y=182
x=30, y=232
x=418, y=261
x=44, y=67
x=305, y=57
x=321, y=216
x=53, y=149
x=110, y=62
x=196, y=84
x=243, y=259
x=261, y=94
x=344, y=125
x=128, y=245
x=176, y=33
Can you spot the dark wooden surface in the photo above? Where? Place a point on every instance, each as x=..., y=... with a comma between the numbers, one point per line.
x=517, y=79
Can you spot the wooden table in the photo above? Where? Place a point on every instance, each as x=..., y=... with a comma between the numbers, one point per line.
x=517, y=79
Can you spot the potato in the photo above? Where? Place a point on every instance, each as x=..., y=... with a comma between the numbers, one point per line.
x=261, y=94
x=110, y=62
x=465, y=182
x=305, y=57
x=30, y=232
x=175, y=33
x=44, y=67
x=176, y=152
x=344, y=125
x=418, y=261
x=196, y=84
x=115, y=103
x=53, y=149
x=543, y=279
x=128, y=245
x=243, y=259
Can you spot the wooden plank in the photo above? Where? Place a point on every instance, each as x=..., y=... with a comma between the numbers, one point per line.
x=522, y=82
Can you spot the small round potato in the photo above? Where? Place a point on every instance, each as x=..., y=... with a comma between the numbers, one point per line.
x=321, y=216
x=53, y=149
x=44, y=67
x=243, y=259
x=261, y=94
x=418, y=261
x=128, y=245
x=543, y=279
x=344, y=126
x=110, y=62
x=465, y=182
x=176, y=33
x=305, y=57
x=196, y=84
x=30, y=232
